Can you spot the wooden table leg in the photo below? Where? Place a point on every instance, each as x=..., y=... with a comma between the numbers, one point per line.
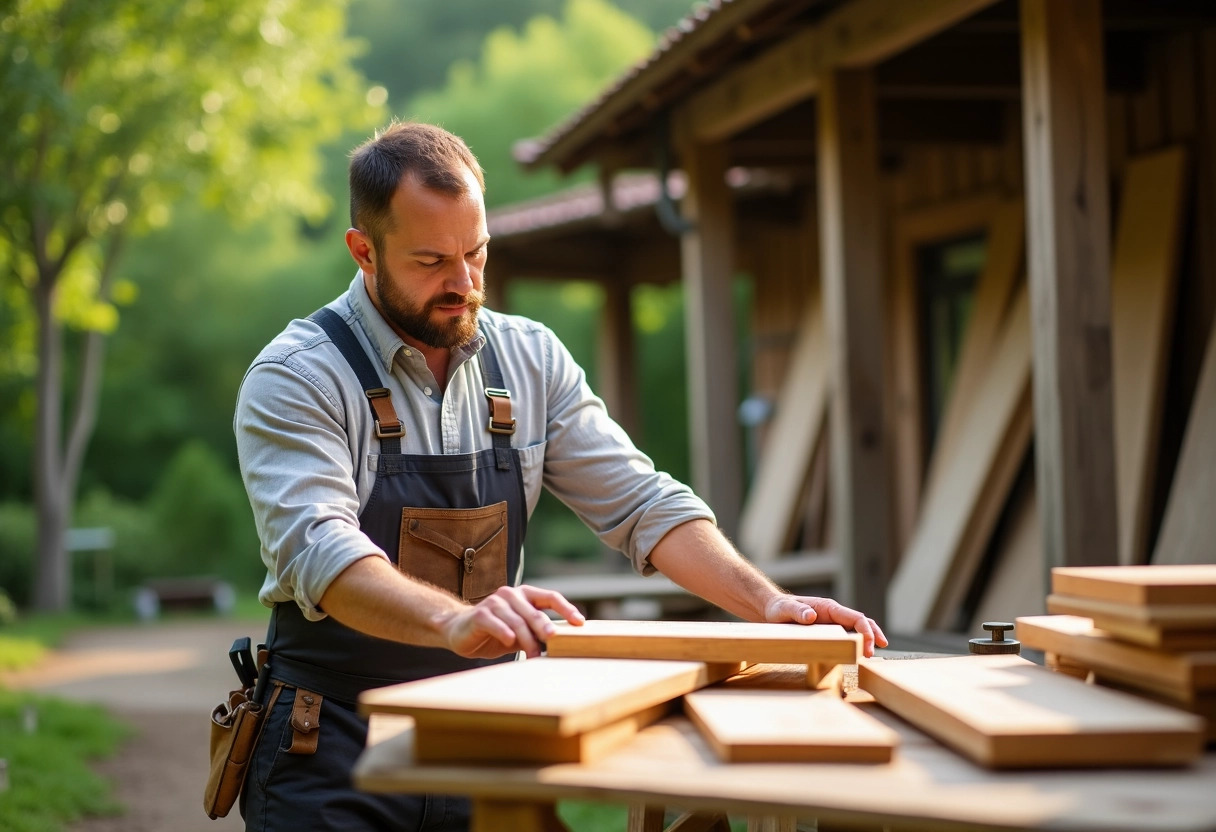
x=645, y=818
x=516, y=815
x=772, y=824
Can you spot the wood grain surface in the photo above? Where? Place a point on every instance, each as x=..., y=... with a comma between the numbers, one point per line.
x=1006, y=712
x=758, y=726
x=558, y=697
x=1156, y=584
x=1073, y=637
x=707, y=641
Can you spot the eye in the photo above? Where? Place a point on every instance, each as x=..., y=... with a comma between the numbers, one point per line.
x=429, y=264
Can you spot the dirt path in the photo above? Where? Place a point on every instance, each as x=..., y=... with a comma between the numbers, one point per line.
x=163, y=679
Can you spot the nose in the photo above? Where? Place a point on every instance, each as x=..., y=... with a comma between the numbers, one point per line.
x=463, y=278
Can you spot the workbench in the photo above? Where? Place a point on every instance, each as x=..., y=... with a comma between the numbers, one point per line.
x=926, y=786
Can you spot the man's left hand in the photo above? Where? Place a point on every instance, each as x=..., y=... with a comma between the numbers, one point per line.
x=806, y=609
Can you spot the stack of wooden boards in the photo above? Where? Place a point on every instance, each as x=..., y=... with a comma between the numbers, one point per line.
x=1150, y=630
x=603, y=682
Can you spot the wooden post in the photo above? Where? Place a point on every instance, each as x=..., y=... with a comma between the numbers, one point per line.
x=1068, y=242
x=851, y=258
x=708, y=258
x=615, y=369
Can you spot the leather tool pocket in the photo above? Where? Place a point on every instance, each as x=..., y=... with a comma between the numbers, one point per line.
x=462, y=550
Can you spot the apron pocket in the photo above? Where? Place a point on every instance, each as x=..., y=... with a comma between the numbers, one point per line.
x=462, y=550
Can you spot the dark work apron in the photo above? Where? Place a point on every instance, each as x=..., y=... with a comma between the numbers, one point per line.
x=286, y=791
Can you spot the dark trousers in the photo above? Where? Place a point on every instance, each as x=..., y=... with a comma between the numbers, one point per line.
x=298, y=792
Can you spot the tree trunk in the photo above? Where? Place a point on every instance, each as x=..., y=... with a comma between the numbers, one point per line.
x=52, y=587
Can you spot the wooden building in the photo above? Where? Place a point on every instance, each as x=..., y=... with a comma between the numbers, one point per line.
x=982, y=235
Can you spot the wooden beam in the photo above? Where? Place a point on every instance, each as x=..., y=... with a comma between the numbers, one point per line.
x=859, y=34
x=865, y=32
x=616, y=365
x=1068, y=228
x=782, y=76
x=1144, y=277
x=708, y=262
x=851, y=268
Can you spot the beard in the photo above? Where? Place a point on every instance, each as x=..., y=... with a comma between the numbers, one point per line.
x=417, y=321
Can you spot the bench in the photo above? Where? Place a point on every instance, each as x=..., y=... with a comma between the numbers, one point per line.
x=160, y=594
x=630, y=595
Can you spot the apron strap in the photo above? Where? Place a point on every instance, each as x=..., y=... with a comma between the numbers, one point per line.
x=501, y=425
x=389, y=429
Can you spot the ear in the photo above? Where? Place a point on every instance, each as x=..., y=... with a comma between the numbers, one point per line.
x=361, y=249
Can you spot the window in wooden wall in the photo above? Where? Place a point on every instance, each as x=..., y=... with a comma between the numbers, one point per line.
x=946, y=276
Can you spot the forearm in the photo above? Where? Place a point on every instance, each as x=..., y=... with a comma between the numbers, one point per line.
x=698, y=557
x=373, y=597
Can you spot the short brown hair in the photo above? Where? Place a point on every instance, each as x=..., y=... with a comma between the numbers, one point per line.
x=438, y=158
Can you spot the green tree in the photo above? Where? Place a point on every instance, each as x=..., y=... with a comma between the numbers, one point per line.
x=113, y=111
x=526, y=82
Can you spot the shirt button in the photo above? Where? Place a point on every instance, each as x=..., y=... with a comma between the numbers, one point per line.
x=426, y=390
x=409, y=352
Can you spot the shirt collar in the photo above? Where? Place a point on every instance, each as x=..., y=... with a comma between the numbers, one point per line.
x=384, y=340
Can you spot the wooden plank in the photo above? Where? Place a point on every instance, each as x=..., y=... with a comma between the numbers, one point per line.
x=1074, y=638
x=708, y=641
x=1167, y=616
x=1016, y=584
x=1006, y=712
x=461, y=745
x=1156, y=584
x=708, y=262
x=851, y=271
x=760, y=726
x=1068, y=260
x=994, y=293
x=1201, y=704
x=1188, y=529
x=937, y=559
x=558, y=697
x=769, y=517
x=912, y=230
x=1144, y=277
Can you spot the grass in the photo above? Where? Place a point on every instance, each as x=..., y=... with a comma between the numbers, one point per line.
x=49, y=744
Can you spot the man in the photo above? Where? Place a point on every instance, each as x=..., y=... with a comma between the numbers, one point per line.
x=393, y=448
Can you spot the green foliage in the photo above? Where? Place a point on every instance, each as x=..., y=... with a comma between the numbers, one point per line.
x=411, y=45
x=118, y=109
x=50, y=781
x=526, y=82
x=203, y=521
x=18, y=530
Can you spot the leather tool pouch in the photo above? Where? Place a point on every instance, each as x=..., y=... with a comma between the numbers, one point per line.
x=236, y=724
x=462, y=550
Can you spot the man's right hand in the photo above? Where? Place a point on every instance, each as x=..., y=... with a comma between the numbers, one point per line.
x=505, y=621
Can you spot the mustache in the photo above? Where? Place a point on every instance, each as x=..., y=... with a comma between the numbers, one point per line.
x=474, y=299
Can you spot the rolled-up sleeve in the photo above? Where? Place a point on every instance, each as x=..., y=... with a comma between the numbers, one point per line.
x=298, y=466
x=593, y=467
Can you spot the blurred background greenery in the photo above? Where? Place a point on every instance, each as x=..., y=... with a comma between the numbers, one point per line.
x=174, y=192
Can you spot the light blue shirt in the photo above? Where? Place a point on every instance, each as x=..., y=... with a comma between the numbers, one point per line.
x=308, y=455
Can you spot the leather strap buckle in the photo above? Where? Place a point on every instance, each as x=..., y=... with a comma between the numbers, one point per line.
x=387, y=424
x=500, y=411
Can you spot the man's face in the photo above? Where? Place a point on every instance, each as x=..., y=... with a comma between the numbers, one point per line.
x=429, y=278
